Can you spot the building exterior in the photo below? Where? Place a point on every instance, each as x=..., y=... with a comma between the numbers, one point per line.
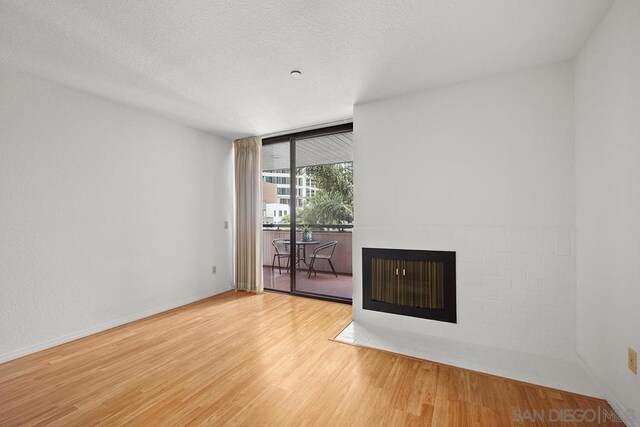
x=274, y=212
x=269, y=193
x=274, y=208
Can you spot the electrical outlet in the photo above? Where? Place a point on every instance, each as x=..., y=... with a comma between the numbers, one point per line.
x=226, y=224
x=213, y=270
x=633, y=361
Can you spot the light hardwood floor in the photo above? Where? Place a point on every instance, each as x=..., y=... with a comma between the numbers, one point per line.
x=242, y=359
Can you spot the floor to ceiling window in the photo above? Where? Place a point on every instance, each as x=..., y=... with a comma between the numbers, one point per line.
x=308, y=212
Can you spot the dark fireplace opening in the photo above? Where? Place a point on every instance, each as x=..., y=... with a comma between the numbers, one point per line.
x=410, y=282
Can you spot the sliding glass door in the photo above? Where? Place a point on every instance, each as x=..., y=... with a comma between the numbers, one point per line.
x=276, y=215
x=308, y=213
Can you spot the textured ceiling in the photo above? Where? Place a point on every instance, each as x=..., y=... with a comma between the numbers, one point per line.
x=223, y=66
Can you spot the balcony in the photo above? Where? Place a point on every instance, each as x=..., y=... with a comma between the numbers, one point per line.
x=321, y=283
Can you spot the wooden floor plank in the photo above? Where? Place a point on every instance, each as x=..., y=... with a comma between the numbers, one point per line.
x=240, y=359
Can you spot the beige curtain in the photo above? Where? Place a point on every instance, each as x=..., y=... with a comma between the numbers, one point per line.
x=248, y=171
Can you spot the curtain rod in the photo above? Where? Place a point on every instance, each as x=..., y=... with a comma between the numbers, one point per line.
x=311, y=127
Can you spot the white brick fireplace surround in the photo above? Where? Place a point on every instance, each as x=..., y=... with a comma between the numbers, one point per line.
x=516, y=288
x=486, y=169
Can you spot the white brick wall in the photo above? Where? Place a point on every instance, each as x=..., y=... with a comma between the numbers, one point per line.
x=465, y=168
x=516, y=288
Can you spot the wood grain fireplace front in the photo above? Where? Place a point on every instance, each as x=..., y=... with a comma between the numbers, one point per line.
x=410, y=282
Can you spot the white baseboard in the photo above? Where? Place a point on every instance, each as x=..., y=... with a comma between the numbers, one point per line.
x=610, y=396
x=104, y=326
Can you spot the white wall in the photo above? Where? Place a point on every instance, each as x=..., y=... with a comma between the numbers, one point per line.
x=608, y=201
x=107, y=214
x=485, y=168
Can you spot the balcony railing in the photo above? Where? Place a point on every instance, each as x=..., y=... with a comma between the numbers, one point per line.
x=314, y=227
x=321, y=232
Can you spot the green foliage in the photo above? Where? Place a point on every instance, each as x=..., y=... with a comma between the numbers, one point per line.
x=333, y=202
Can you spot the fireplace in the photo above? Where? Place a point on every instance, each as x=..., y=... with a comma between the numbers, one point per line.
x=410, y=282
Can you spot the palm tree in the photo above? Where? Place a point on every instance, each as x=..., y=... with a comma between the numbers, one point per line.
x=333, y=203
x=327, y=208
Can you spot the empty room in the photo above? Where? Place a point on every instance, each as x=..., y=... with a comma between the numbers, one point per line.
x=338, y=213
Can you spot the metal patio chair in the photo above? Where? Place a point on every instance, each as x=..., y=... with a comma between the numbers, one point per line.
x=281, y=252
x=324, y=251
